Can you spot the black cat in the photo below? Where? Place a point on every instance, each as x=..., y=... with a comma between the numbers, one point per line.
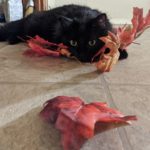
x=78, y=27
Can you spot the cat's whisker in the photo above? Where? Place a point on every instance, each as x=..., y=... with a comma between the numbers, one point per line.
x=73, y=57
x=136, y=43
x=29, y=36
x=22, y=39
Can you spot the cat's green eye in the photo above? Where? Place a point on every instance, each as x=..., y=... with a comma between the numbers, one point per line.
x=92, y=42
x=73, y=43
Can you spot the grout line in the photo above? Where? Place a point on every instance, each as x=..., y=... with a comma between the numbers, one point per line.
x=77, y=82
x=107, y=91
x=128, y=84
x=121, y=131
x=57, y=82
x=4, y=46
x=124, y=138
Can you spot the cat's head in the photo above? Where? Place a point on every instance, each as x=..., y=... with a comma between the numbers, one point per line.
x=82, y=38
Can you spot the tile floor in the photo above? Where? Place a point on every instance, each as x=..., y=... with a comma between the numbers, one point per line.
x=26, y=83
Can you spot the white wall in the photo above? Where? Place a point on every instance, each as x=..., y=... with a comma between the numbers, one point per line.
x=119, y=11
x=55, y=3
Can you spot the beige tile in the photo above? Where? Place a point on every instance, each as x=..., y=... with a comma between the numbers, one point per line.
x=135, y=69
x=135, y=100
x=12, y=50
x=15, y=93
x=15, y=67
x=30, y=70
x=86, y=73
x=22, y=129
x=3, y=44
x=29, y=132
x=18, y=99
x=109, y=140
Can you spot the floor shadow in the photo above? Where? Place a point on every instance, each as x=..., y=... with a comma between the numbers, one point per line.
x=22, y=92
x=29, y=132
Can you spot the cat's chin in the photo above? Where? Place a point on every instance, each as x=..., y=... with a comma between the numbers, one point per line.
x=89, y=61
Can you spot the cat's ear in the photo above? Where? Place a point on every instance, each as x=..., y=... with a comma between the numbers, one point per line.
x=100, y=20
x=65, y=21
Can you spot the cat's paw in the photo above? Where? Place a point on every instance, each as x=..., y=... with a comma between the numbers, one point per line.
x=123, y=54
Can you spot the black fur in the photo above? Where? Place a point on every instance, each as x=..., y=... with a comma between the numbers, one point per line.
x=123, y=54
x=76, y=26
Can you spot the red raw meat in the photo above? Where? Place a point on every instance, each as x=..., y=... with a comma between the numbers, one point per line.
x=78, y=121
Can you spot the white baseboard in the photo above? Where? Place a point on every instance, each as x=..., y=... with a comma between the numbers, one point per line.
x=120, y=21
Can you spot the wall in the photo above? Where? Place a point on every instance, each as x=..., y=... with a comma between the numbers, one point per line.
x=1, y=9
x=119, y=11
